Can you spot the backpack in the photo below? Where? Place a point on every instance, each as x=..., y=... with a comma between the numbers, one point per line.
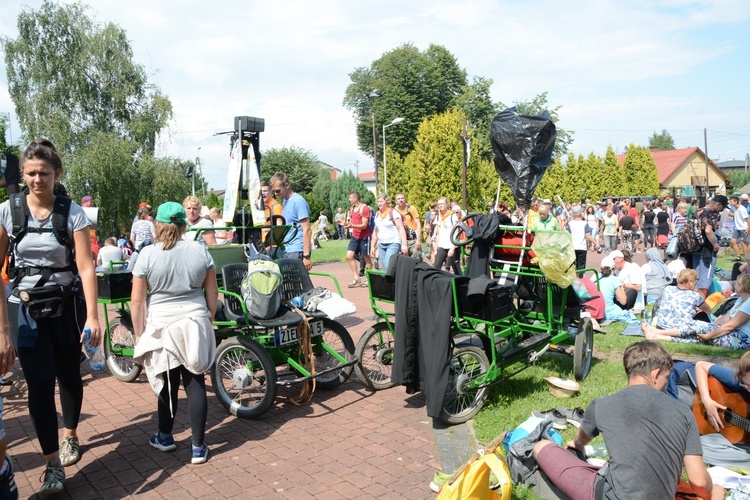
x=372, y=218
x=261, y=287
x=690, y=237
x=19, y=210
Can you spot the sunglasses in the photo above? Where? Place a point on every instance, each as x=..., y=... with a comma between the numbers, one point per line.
x=277, y=191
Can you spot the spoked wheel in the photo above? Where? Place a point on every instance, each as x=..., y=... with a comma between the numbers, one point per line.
x=375, y=353
x=121, y=336
x=337, y=337
x=467, y=363
x=584, y=349
x=244, y=377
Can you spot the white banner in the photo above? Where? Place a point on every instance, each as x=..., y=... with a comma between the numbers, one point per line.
x=253, y=189
x=233, y=181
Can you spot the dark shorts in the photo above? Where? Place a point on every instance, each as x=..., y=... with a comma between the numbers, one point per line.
x=359, y=245
x=572, y=476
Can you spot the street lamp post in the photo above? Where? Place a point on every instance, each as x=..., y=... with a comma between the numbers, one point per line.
x=197, y=166
x=395, y=121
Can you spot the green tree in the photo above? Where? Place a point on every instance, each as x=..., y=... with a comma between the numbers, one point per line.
x=641, y=176
x=344, y=185
x=537, y=105
x=435, y=165
x=663, y=141
x=69, y=77
x=476, y=104
x=615, y=175
x=403, y=82
x=300, y=166
x=739, y=179
x=322, y=190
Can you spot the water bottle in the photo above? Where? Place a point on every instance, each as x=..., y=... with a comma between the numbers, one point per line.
x=95, y=354
x=596, y=450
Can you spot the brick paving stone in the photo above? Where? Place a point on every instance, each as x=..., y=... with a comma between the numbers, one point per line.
x=347, y=443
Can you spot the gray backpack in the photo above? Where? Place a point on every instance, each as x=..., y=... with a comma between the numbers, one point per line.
x=261, y=288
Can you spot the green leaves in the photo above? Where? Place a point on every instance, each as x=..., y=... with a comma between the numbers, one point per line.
x=299, y=165
x=69, y=77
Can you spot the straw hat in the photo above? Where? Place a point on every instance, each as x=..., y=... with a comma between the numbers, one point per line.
x=562, y=387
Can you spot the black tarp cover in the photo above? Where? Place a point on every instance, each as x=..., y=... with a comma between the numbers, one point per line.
x=523, y=146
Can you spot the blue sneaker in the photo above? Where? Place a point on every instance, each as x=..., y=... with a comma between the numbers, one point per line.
x=163, y=444
x=8, y=488
x=200, y=454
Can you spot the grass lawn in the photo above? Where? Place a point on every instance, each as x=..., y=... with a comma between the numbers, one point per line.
x=330, y=251
x=511, y=402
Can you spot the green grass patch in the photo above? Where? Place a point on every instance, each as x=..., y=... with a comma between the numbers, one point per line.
x=330, y=251
x=510, y=403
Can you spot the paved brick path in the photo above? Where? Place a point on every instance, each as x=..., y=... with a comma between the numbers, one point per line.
x=348, y=443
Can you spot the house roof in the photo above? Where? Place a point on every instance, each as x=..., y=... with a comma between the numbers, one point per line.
x=366, y=176
x=667, y=162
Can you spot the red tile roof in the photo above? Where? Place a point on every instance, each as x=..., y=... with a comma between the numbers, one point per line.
x=367, y=175
x=667, y=162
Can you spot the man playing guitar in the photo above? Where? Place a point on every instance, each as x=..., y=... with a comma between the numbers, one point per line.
x=726, y=441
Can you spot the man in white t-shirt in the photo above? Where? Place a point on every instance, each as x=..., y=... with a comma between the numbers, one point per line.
x=739, y=233
x=631, y=277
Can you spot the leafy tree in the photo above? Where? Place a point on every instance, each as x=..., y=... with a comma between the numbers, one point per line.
x=213, y=201
x=300, y=166
x=641, y=176
x=434, y=166
x=593, y=172
x=316, y=205
x=322, y=190
x=553, y=182
x=402, y=83
x=476, y=104
x=739, y=179
x=69, y=77
x=615, y=175
x=663, y=141
x=537, y=105
x=344, y=185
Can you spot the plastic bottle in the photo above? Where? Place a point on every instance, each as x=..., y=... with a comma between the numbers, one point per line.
x=596, y=450
x=95, y=354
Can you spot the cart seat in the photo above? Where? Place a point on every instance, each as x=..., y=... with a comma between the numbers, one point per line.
x=233, y=274
x=296, y=281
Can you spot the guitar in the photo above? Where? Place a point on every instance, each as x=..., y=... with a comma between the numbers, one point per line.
x=736, y=424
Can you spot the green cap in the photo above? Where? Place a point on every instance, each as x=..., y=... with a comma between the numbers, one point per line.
x=171, y=212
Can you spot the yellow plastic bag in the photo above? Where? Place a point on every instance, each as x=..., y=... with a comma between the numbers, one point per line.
x=556, y=256
x=474, y=482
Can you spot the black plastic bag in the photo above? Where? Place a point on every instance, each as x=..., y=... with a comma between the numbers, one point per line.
x=523, y=146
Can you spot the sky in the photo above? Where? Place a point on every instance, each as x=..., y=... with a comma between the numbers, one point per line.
x=620, y=70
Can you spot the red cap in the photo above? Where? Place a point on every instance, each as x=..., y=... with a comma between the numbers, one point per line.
x=143, y=205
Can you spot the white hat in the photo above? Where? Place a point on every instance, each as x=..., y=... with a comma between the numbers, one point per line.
x=744, y=196
x=608, y=262
x=615, y=253
x=562, y=387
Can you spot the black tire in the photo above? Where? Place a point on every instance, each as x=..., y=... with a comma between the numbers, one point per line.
x=375, y=354
x=244, y=377
x=584, y=349
x=467, y=363
x=121, y=335
x=337, y=337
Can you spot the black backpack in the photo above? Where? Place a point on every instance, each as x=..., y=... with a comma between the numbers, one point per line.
x=19, y=210
x=690, y=237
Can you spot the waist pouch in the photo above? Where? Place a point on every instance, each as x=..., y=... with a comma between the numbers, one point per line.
x=45, y=301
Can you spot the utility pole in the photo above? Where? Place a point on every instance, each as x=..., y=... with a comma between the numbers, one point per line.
x=465, y=165
x=705, y=150
x=356, y=165
x=375, y=151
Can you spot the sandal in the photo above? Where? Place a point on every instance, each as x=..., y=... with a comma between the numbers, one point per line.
x=355, y=283
x=363, y=283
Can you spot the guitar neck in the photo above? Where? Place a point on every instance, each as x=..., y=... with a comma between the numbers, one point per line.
x=733, y=418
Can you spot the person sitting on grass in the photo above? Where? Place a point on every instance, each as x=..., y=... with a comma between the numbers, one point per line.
x=679, y=305
x=730, y=330
x=614, y=294
x=720, y=451
x=649, y=437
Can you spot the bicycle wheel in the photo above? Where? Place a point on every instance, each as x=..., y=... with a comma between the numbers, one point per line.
x=337, y=337
x=583, y=349
x=460, y=404
x=244, y=377
x=375, y=353
x=121, y=336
